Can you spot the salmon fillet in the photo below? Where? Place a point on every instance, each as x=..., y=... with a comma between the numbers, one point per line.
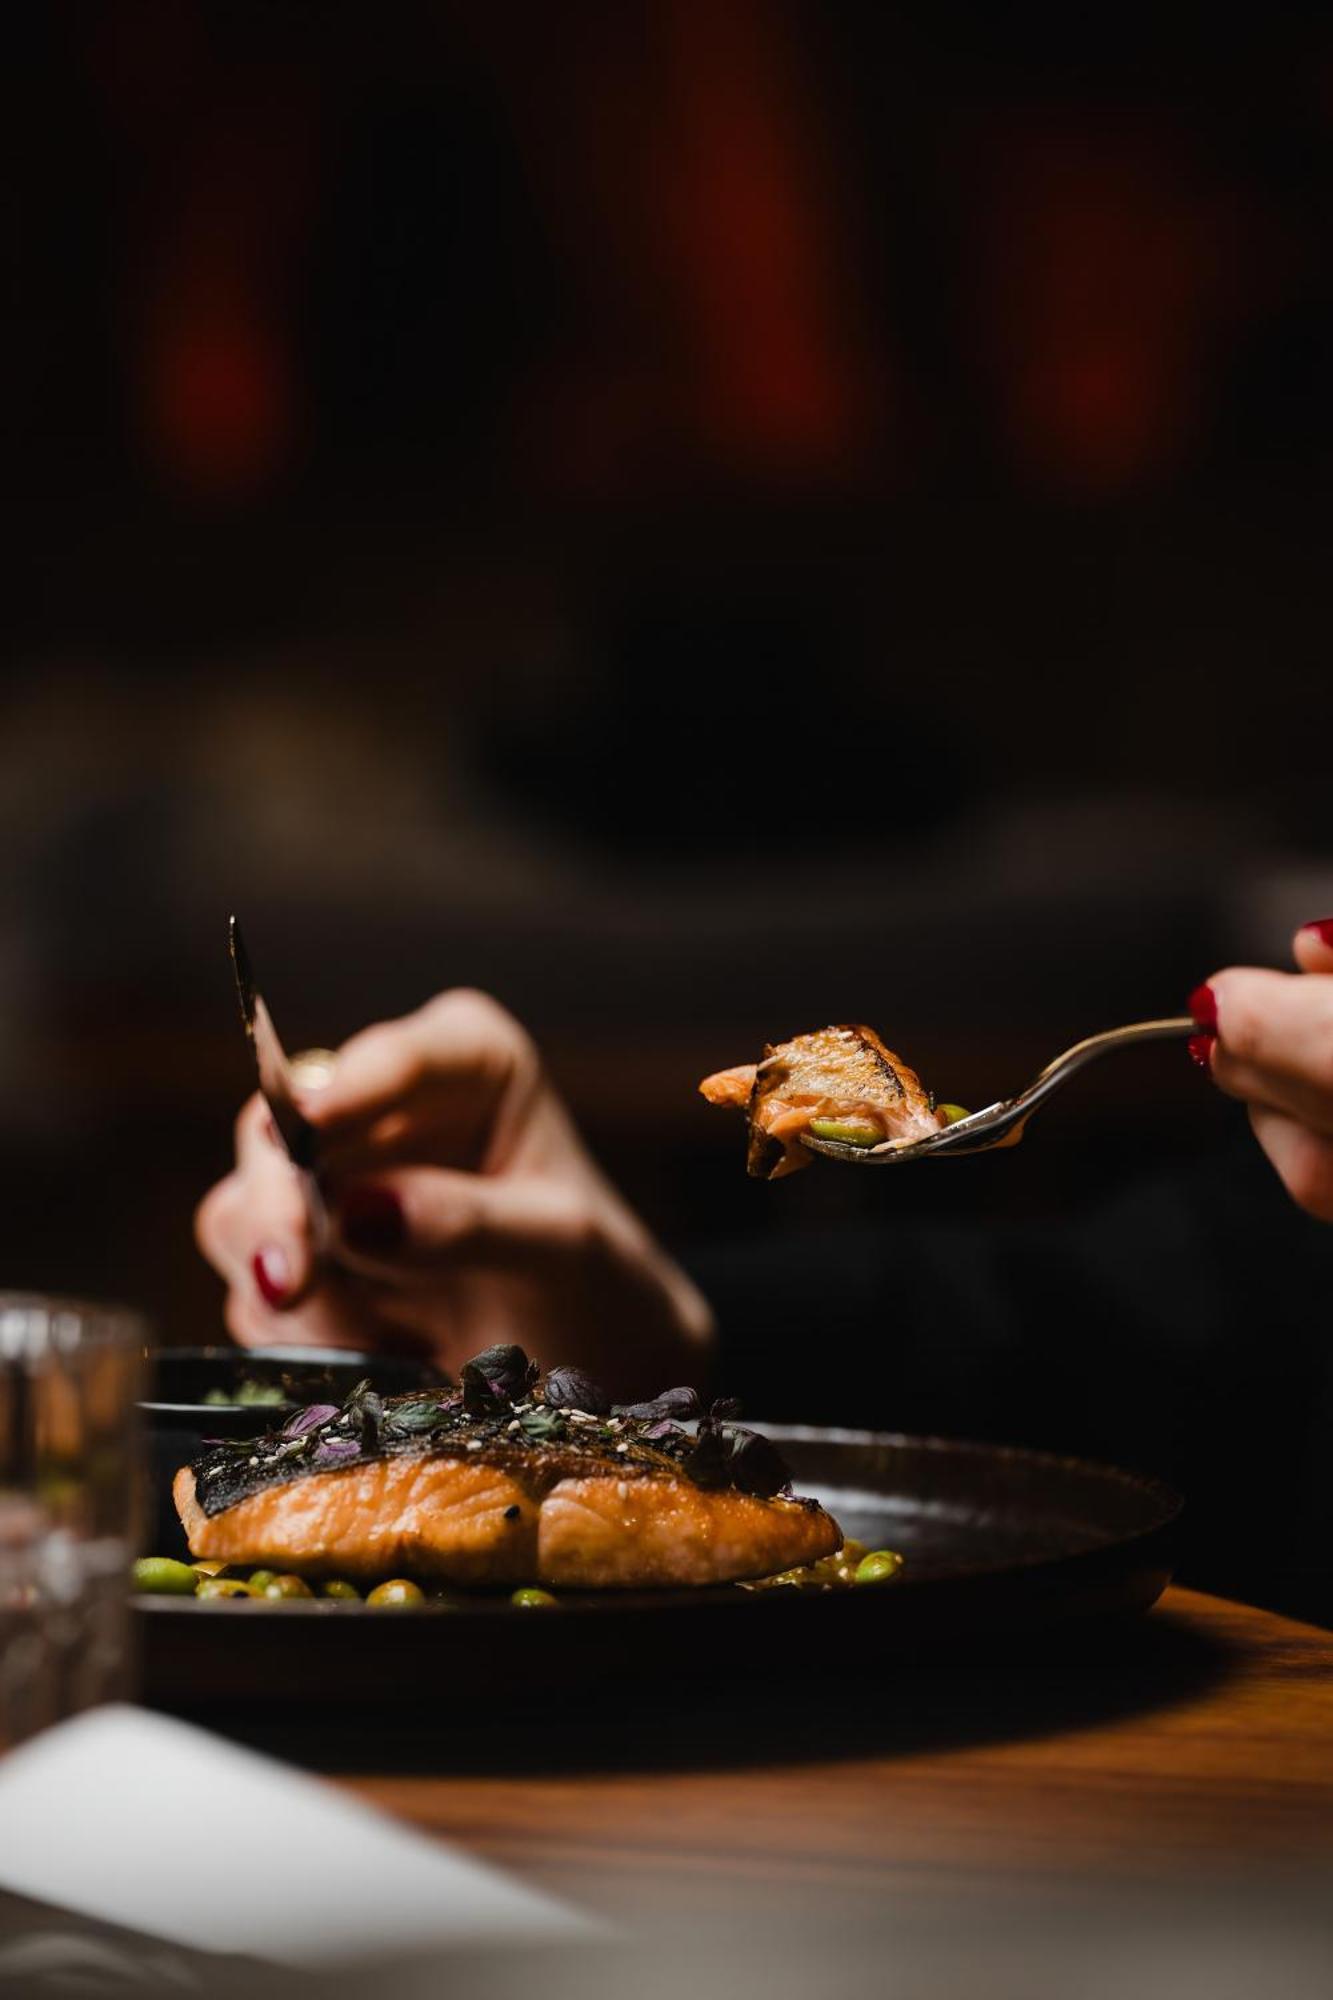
x=843, y=1074
x=514, y=1490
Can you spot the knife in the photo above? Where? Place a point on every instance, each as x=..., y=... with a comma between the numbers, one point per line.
x=298, y=1136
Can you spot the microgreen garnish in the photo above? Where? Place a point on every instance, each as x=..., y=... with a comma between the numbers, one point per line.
x=571, y=1389
x=335, y=1451
x=726, y=1455
x=412, y=1419
x=502, y=1402
x=674, y=1403
x=308, y=1418
x=543, y=1426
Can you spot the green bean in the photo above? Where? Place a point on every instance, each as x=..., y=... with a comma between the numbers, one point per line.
x=878, y=1567
x=160, y=1576
x=399, y=1593
x=532, y=1599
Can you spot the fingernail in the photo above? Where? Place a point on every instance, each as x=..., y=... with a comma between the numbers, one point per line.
x=1201, y=1050
x=1203, y=1006
x=272, y=1274
x=1322, y=928
x=371, y=1219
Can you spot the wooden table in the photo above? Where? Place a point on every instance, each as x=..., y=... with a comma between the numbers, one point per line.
x=1198, y=1740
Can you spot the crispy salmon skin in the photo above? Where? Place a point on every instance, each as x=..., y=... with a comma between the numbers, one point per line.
x=494, y=1485
x=843, y=1075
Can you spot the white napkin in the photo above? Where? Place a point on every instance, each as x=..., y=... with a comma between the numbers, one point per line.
x=143, y=1821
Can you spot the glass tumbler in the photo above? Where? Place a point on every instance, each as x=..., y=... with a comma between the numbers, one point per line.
x=69, y=1506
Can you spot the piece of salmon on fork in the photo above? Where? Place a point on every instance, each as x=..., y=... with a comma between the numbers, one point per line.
x=841, y=1080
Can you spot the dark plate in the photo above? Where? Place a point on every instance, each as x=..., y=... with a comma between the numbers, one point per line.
x=1000, y=1544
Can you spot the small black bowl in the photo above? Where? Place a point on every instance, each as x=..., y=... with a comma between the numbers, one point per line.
x=179, y=1422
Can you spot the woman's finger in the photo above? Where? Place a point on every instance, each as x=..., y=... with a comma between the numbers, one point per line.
x=1291, y=1096
x=1312, y=946
x=253, y=1227
x=459, y=1064
x=1303, y=1159
x=335, y=1314
x=1279, y=1022
x=416, y=1223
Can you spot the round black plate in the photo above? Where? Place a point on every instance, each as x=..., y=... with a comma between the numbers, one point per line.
x=999, y=1544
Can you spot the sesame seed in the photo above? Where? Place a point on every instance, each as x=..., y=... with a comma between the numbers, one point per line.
x=474, y=1444
x=622, y=1447
x=514, y=1426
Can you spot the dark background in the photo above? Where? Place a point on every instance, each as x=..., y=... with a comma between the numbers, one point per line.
x=702, y=519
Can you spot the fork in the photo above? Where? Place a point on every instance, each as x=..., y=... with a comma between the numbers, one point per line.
x=1003, y=1124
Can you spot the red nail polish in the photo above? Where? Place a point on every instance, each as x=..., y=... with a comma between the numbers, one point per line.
x=272, y=1275
x=371, y=1220
x=1201, y=1050
x=1202, y=1004
x=1322, y=928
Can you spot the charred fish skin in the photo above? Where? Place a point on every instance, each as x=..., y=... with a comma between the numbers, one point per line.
x=501, y=1419
x=493, y=1484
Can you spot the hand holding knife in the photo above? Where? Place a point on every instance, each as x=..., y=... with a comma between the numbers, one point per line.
x=296, y=1134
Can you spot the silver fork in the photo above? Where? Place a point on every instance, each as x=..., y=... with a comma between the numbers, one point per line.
x=1003, y=1124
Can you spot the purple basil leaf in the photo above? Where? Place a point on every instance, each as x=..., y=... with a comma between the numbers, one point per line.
x=726, y=1455
x=336, y=1451
x=506, y=1368
x=307, y=1419
x=677, y=1403
x=571, y=1389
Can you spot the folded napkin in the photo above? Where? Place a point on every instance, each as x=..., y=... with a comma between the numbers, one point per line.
x=149, y=1823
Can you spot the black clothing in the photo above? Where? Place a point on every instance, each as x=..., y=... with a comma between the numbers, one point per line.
x=1183, y=1327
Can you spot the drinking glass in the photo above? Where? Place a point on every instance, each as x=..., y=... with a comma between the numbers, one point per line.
x=69, y=1506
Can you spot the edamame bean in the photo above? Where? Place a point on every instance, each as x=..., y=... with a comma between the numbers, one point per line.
x=847, y=1131
x=878, y=1567
x=951, y=1113
x=398, y=1594
x=261, y=1578
x=532, y=1599
x=159, y=1576
x=338, y=1586
x=287, y=1586
x=224, y=1586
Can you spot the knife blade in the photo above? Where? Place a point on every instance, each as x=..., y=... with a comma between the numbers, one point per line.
x=297, y=1135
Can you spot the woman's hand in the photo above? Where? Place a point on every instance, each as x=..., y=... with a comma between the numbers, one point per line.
x=1267, y=1038
x=464, y=1210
